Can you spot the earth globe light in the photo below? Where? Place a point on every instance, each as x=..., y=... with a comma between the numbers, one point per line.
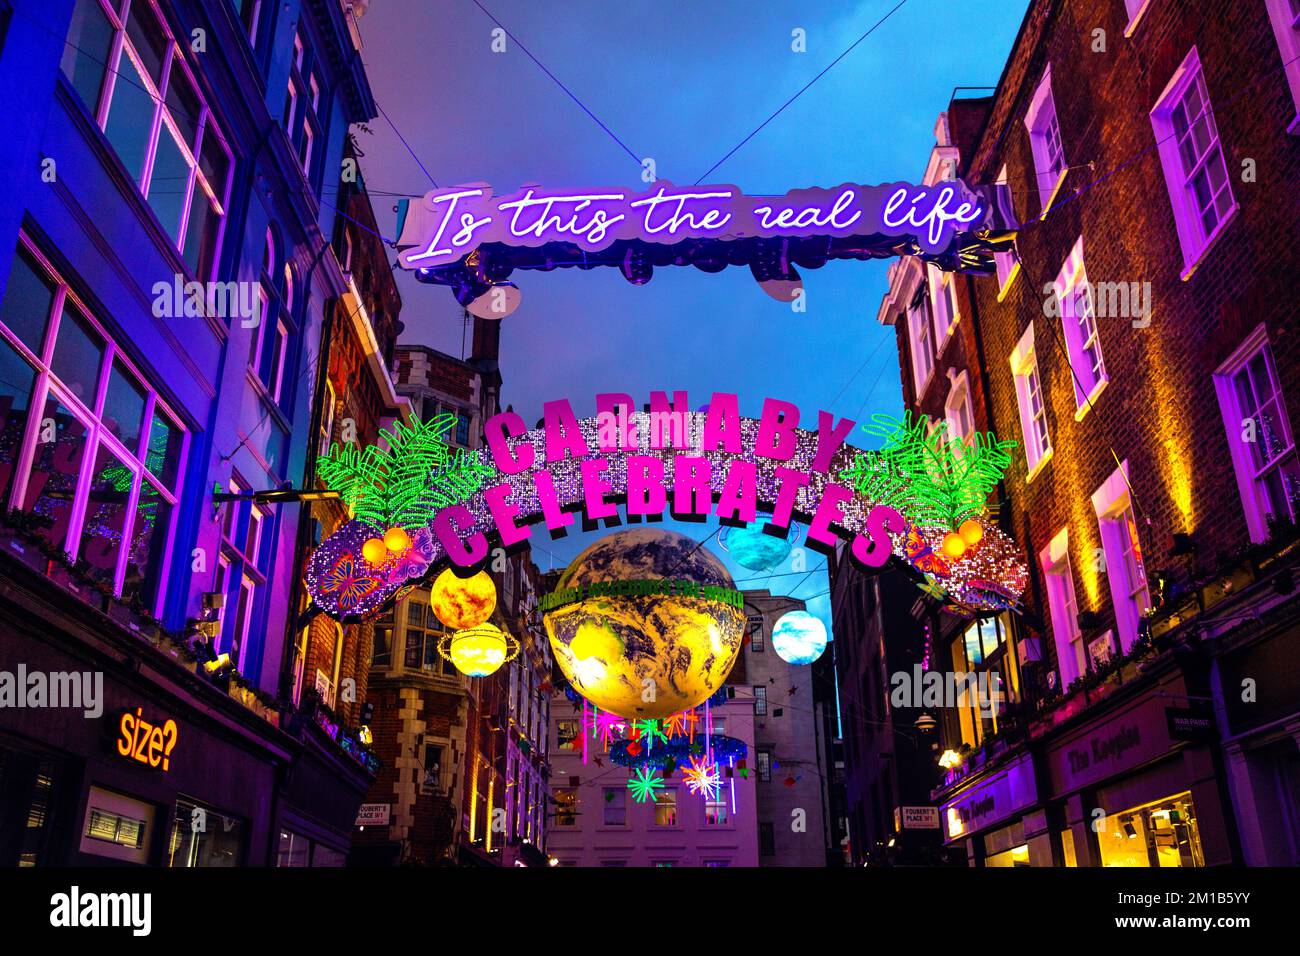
x=799, y=637
x=462, y=603
x=753, y=548
x=478, y=651
x=649, y=624
x=925, y=723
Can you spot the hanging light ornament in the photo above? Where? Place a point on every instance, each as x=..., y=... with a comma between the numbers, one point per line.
x=375, y=551
x=799, y=637
x=971, y=531
x=478, y=651
x=462, y=603
x=954, y=545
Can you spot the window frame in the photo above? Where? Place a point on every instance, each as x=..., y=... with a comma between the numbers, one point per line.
x=65, y=302
x=1063, y=608
x=920, y=336
x=1078, y=314
x=1027, y=377
x=1286, y=29
x=959, y=401
x=1250, y=475
x=1193, y=239
x=1117, y=525
x=162, y=123
x=1040, y=119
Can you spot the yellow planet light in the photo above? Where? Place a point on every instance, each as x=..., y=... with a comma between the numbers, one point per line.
x=396, y=539
x=652, y=654
x=479, y=651
x=375, y=551
x=953, y=545
x=971, y=531
x=463, y=603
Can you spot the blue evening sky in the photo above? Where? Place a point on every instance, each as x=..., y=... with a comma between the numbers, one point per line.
x=682, y=82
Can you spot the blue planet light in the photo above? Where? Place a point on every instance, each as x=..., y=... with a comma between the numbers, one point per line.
x=799, y=637
x=751, y=548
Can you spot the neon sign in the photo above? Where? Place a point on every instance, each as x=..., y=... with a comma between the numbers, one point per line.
x=449, y=224
x=147, y=743
x=667, y=459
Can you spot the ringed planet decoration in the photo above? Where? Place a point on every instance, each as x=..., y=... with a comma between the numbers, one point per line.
x=478, y=651
x=799, y=637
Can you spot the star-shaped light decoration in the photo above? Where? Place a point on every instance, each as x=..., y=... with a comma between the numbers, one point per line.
x=643, y=784
x=702, y=778
x=682, y=723
x=647, y=730
x=606, y=726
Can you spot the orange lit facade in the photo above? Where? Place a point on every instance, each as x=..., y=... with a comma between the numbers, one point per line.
x=1138, y=346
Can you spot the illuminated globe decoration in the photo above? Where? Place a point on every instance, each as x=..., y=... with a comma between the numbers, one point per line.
x=615, y=649
x=753, y=548
x=478, y=651
x=462, y=603
x=799, y=637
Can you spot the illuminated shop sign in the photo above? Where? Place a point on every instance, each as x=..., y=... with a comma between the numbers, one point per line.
x=448, y=224
x=145, y=742
x=420, y=505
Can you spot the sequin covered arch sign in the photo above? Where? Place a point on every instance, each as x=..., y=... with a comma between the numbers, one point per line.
x=453, y=509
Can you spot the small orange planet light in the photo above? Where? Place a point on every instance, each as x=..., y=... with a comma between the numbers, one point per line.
x=396, y=539
x=971, y=531
x=953, y=545
x=463, y=603
x=374, y=551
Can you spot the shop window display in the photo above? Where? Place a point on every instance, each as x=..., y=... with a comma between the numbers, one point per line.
x=1159, y=834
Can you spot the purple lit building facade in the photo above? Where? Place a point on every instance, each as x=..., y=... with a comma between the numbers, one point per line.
x=153, y=145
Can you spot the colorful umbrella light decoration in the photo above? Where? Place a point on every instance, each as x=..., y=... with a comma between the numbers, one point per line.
x=799, y=637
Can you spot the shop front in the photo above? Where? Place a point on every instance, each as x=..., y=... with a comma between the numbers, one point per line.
x=992, y=815
x=1134, y=784
x=113, y=753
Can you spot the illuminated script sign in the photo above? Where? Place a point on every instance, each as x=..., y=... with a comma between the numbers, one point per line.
x=470, y=240
x=450, y=223
x=664, y=460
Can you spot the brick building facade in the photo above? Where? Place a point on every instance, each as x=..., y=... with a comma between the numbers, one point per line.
x=1138, y=344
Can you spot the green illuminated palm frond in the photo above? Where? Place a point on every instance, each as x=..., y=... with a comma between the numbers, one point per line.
x=931, y=478
x=404, y=483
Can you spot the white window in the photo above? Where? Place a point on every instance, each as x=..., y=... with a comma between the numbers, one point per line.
x=1134, y=9
x=250, y=12
x=957, y=408
x=1008, y=266
x=305, y=148
x=1122, y=549
x=1079, y=322
x=918, y=325
x=1191, y=155
x=1029, y=397
x=1063, y=608
x=943, y=293
x=279, y=348
x=1259, y=435
x=1045, y=141
x=1285, y=15
x=238, y=644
